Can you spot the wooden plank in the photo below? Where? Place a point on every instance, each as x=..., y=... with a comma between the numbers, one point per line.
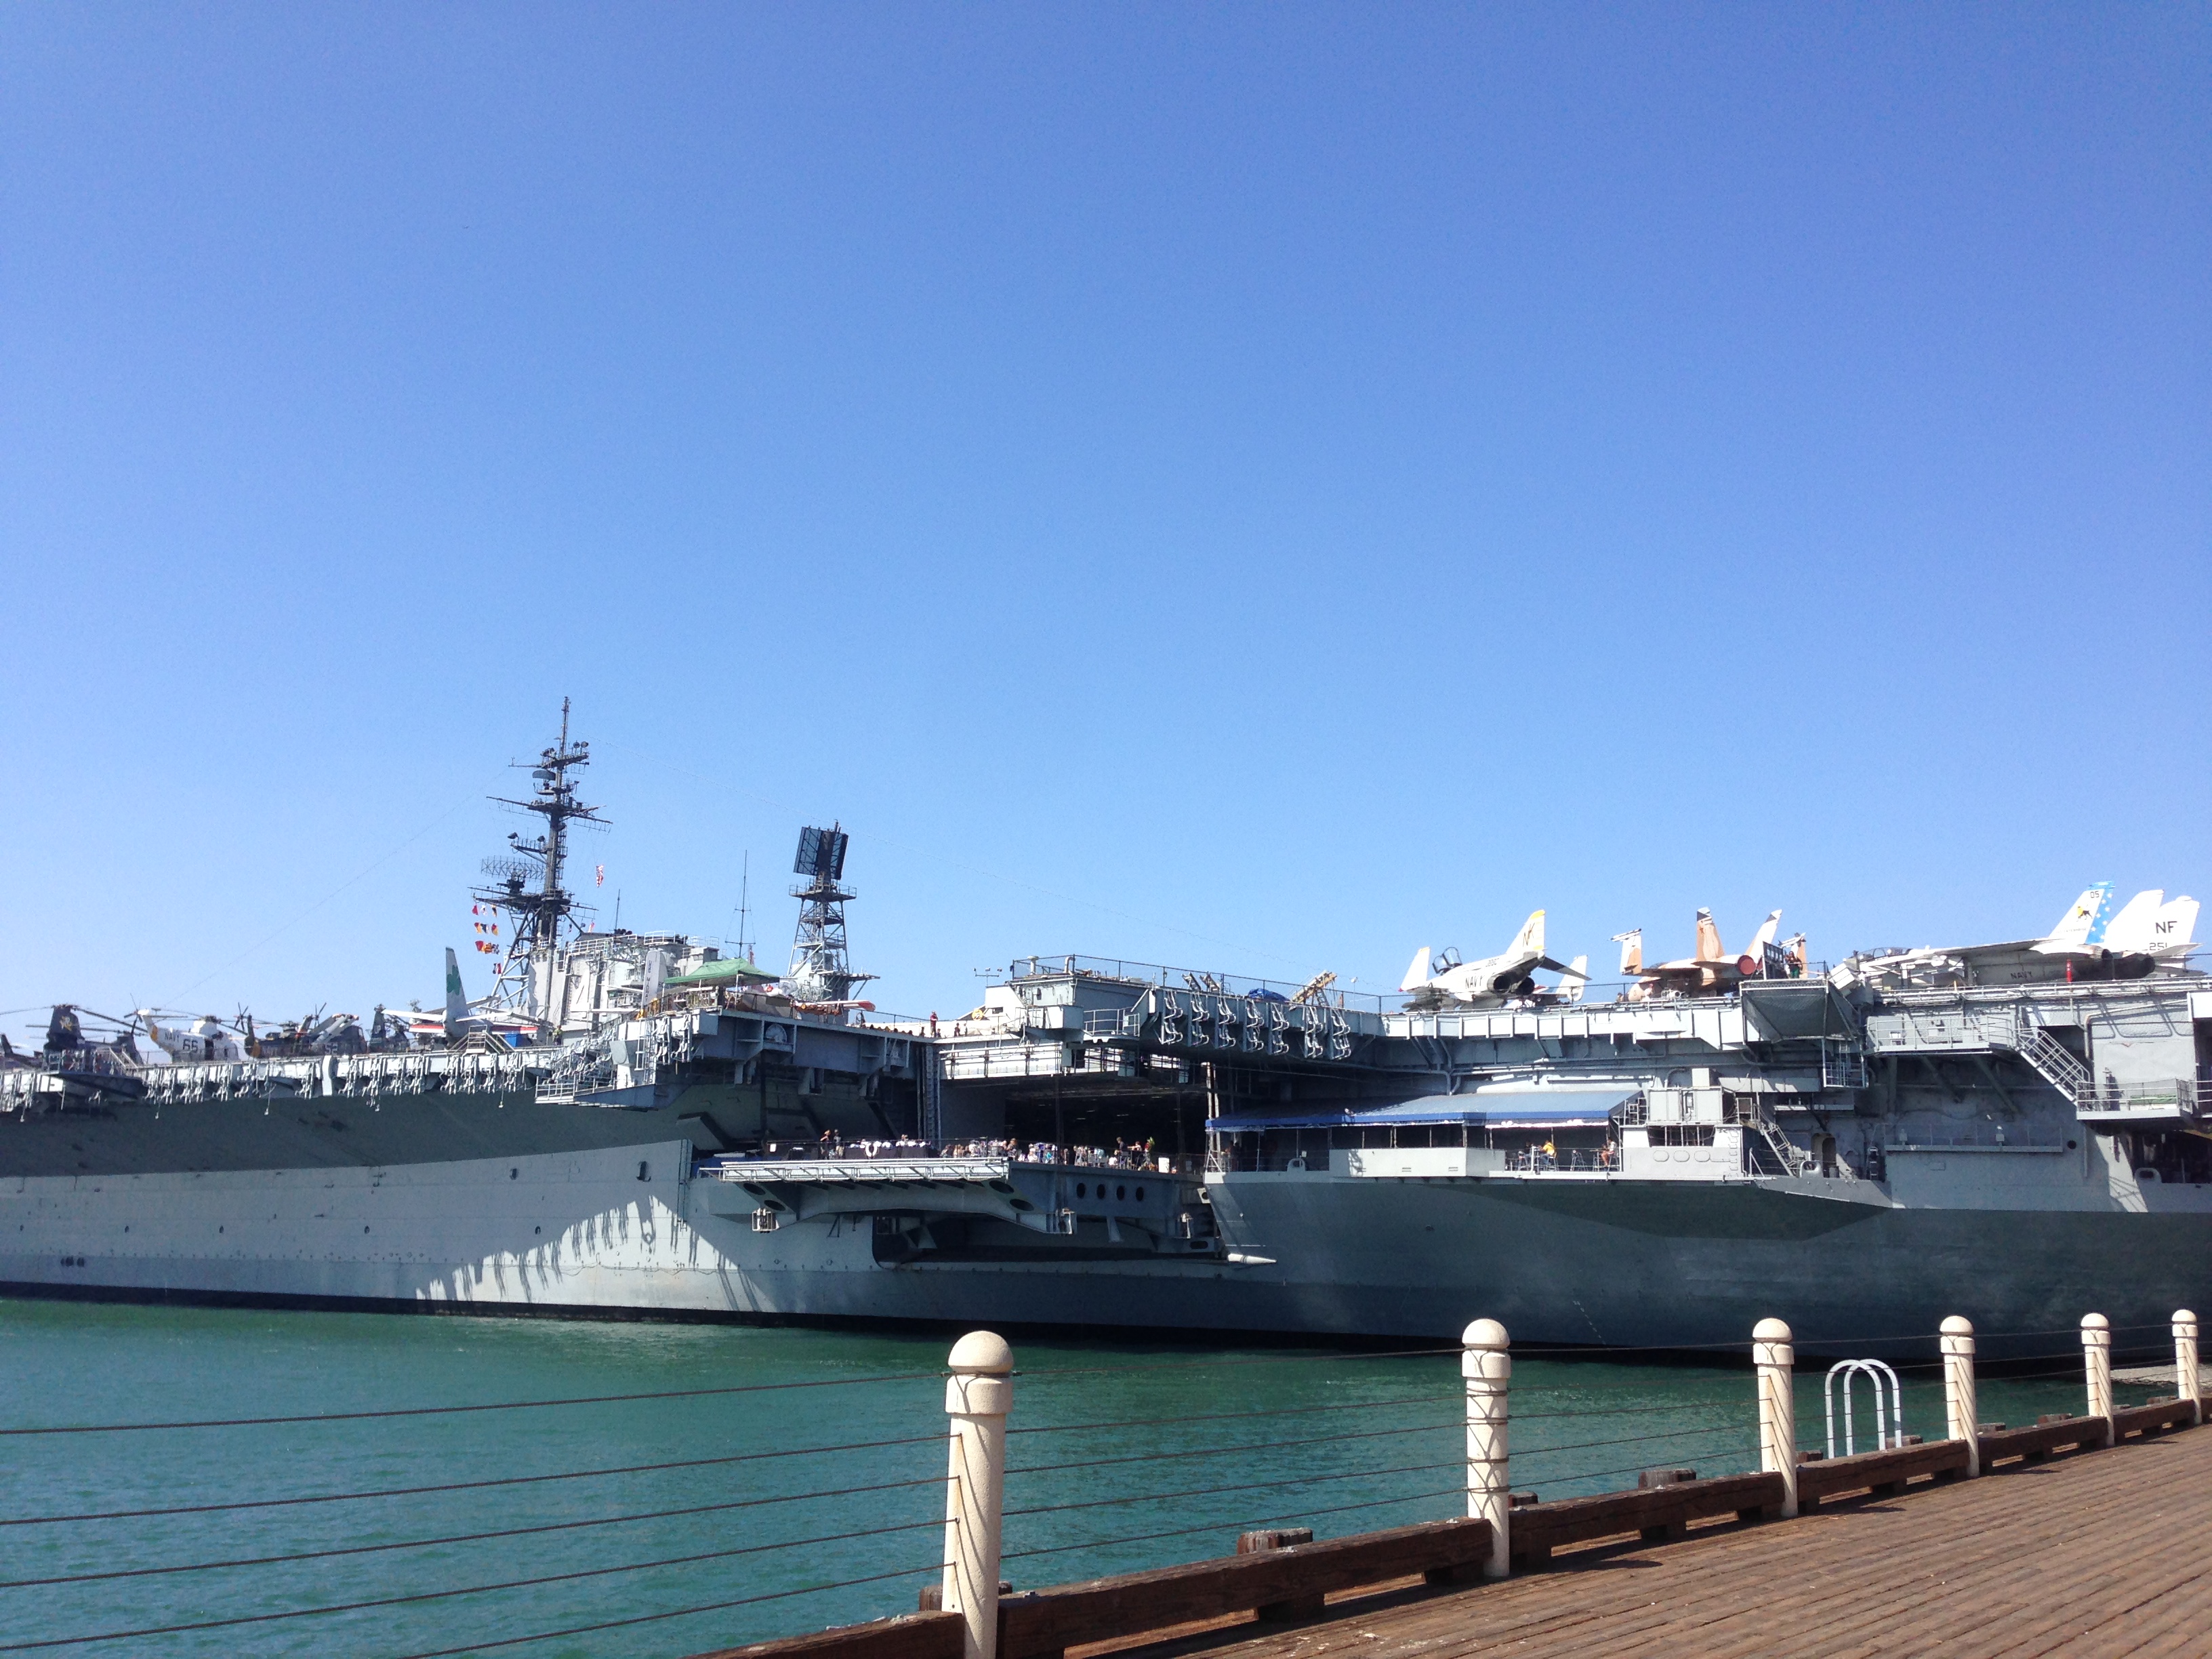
x=1537, y=1529
x=2082, y=1433
x=1048, y=1620
x=1881, y=1472
x=910, y=1635
x=2150, y=1419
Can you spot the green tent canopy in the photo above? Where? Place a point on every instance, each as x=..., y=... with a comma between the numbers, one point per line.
x=730, y=971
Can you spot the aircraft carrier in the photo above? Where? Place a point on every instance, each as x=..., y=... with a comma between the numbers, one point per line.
x=638, y=1125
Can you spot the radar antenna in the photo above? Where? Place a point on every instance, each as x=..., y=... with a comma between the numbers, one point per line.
x=820, y=969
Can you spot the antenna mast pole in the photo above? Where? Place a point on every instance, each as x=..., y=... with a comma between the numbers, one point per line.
x=540, y=916
x=745, y=900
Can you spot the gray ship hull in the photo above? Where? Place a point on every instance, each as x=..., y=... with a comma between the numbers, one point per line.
x=1680, y=1265
x=623, y=1227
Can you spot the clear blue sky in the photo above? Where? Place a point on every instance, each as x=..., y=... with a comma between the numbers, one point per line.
x=1263, y=486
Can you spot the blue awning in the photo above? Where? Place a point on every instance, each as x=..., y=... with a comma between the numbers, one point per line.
x=1484, y=1108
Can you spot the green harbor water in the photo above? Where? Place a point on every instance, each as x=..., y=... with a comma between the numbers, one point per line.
x=813, y=1497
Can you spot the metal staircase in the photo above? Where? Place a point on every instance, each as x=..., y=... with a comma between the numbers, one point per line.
x=2055, y=1064
x=1793, y=1160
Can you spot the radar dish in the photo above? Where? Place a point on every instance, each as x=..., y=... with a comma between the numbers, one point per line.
x=821, y=854
x=510, y=869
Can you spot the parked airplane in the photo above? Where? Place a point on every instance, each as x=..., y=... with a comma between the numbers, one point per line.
x=457, y=1019
x=1568, y=990
x=1712, y=969
x=2090, y=942
x=2148, y=925
x=1489, y=982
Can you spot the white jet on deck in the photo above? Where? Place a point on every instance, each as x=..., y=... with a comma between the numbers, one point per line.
x=1492, y=981
x=2148, y=934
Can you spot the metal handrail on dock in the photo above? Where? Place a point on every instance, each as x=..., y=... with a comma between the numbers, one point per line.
x=1281, y=1575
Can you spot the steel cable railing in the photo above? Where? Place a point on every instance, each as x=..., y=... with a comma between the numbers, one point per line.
x=1703, y=1425
x=634, y=1619
x=1591, y=1353
x=1705, y=1431
x=472, y=1486
x=1242, y=1486
x=420, y=1596
x=1231, y=1417
x=1578, y=1476
x=1193, y=1453
x=1452, y=1423
x=1628, y=1440
x=1213, y=1526
x=1045, y=1374
x=1330, y=1406
x=1595, y=1353
x=457, y=1411
x=477, y=1537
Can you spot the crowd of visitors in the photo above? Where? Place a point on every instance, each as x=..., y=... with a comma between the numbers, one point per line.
x=1122, y=1155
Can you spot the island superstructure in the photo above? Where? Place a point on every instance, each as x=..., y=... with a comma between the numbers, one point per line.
x=640, y=1125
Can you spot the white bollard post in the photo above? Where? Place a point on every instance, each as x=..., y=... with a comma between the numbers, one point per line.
x=1487, y=1368
x=1962, y=1415
x=1772, y=1356
x=2097, y=1366
x=976, y=1398
x=2188, y=1380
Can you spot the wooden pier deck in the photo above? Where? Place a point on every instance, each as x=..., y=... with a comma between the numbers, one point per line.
x=2101, y=1554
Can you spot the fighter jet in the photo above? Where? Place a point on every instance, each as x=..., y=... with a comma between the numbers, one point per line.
x=1568, y=990
x=2089, y=943
x=2149, y=927
x=458, y=1018
x=1444, y=981
x=1711, y=969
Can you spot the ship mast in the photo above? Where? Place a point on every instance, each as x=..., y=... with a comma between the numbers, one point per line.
x=821, y=971
x=538, y=863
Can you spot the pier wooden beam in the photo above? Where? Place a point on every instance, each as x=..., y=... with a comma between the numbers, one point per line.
x=2040, y=1440
x=910, y=1635
x=1047, y=1621
x=1660, y=1512
x=2160, y=1417
x=1884, y=1473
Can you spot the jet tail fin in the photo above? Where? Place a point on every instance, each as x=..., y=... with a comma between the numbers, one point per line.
x=2174, y=929
x=1530, y=941
x=2130, y=928
x=1574, y=981
x=1709, y=937
x=1631, y=951
x=2082, y=926
x=1765, y=936
x=1417, y=974
x=457, y=1002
